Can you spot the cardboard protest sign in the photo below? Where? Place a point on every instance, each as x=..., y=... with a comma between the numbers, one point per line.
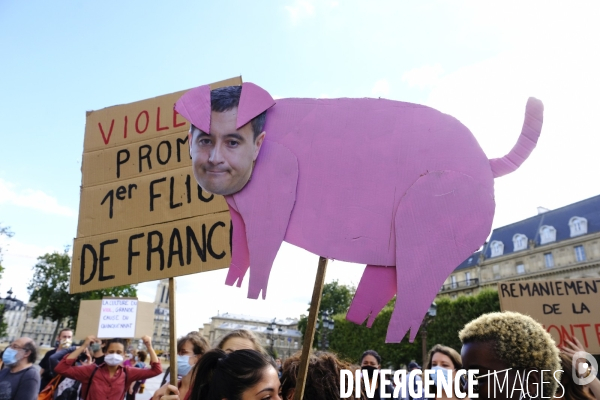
x=566, y=307
x=117, y=318
x=142, y=216
x=400, y=187
x=114, y=317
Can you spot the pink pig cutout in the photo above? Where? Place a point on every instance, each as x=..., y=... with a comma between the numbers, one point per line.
x=400, y=187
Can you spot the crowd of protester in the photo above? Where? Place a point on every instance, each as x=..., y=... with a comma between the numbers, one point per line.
x=512, y=347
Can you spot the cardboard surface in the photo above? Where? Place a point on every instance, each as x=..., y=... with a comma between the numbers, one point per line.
x=117, y=318
x=566, y=307
x=149, y=200
x=379, y=182
x=88, y=321
x=137, y=185
x=182, y=247
x=152, y=156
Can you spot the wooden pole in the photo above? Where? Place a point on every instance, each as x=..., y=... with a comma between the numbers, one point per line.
x=309, y=335
x=172, y=333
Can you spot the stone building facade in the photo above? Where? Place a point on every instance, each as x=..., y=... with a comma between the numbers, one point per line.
x=20, y=322
x=555, y=244
x=160, y=336
x=279, y=336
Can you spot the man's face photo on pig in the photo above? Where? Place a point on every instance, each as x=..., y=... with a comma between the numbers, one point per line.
x=223, y=159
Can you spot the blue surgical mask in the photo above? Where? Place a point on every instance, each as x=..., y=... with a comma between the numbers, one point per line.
x=438, y=373
x=183, y=365
x=9, y=357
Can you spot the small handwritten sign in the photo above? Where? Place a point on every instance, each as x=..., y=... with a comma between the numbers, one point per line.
x=566, y=307
x=117, y=318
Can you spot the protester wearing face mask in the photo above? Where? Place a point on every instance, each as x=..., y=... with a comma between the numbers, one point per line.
x=444, y=362
x=370, y=363
x=19, y=381
x=63, y=341
x=111, y=380
x=189, y=350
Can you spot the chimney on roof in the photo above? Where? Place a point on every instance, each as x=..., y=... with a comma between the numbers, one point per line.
x=542, y=210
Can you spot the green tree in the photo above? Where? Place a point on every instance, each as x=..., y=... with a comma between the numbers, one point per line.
x=49, y=289
x=453, y=314
x=4, y=231
x=336, y=299
x=349, y=340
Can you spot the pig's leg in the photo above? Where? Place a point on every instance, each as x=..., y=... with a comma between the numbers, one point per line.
x=240, y=258
x=265, y=204
x=441, y=220
x=376, y=288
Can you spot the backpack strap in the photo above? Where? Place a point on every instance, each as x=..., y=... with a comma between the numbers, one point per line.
x=90, y=382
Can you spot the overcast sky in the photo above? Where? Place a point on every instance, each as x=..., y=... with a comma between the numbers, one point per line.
x=475, y=61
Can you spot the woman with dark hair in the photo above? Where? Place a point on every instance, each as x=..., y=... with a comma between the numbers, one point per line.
x=111, y=379
x=370, y=363
x=445, y=361
x=239, y=375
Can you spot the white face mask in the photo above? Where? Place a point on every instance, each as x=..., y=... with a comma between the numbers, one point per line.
x=113, y=359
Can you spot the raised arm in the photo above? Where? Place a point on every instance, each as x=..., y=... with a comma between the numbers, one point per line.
x=136, y=374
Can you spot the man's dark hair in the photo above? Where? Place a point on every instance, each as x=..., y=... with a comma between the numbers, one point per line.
x=32, y=349
x=228, y=97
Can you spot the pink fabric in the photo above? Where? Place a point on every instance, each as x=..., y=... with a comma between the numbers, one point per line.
x=373, y=181
x=194, y=106
x=532, y=128
x=253, y=101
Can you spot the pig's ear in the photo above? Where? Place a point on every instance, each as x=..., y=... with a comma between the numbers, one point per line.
x=194, y=106
x=254, y=100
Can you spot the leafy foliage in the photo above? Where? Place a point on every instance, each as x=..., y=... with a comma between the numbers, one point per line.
x=49, y=289
x=349, y=340
x=4, y=230
x=336, y=299
x=452, y=315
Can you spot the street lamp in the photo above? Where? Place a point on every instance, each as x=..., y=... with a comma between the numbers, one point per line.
x=271, y=330
x=327, y=325
x=430, y=314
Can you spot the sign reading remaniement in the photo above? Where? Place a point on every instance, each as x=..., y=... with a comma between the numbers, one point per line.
x=142, y=216
x=566, y=308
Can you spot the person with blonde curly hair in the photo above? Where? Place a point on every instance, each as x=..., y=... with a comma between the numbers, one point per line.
x=512, y=352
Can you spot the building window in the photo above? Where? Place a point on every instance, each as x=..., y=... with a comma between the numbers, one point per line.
x=520, y=269
x=453, y=280
x=519, y=242
x=496, y=270
x=578, y=226
x=468, y=278
x=497, y=248
x=579, y=253
x=549, y=260
x=547, y=234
